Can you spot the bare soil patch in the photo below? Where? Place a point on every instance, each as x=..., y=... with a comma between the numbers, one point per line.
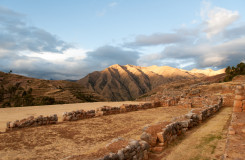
x=86, y=137
x=17, y=113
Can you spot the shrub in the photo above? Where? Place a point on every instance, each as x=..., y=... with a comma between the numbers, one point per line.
x=234, y=71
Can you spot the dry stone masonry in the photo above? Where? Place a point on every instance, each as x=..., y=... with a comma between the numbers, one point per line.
x=157, y=137
x=107, y=110
x=31, y=122
x=236, y=131
x=135, y=150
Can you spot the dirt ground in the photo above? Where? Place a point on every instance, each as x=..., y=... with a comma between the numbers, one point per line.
x=206, y=142
x=17, y=113
x=84, y=137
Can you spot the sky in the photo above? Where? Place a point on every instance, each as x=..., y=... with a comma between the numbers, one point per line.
x=67, y=39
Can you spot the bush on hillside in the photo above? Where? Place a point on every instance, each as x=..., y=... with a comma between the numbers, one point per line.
x=234, y=71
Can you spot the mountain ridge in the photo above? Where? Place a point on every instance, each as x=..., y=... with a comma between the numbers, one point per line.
x=127, y=82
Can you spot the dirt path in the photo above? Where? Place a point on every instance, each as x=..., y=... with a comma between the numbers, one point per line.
x=203, y=143
x=84, y=137
x=17, y=113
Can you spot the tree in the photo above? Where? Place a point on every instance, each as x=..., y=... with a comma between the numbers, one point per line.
x=234, y=71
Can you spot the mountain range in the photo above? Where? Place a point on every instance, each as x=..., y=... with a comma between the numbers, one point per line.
x=128, y=82
x=115, y=83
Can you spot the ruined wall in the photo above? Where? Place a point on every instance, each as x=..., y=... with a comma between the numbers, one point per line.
x=31, y=122
x=134, y=150
x=236, y=131
x=157, y=137
x=107, y=110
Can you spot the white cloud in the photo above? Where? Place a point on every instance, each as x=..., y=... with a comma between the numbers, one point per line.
x=113, y=4
x=218, y=19
x=214, y=42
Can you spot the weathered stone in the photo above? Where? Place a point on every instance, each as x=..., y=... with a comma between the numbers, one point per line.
x=120, y=154
x=135, y=157
x=231, y=131
x=8, y=124
x=239, y=87
x=106, y=157
x=239, y=92
x=157, y=149
x=145, y=137
x=134, y=144
x=237, y=107
x=239, y=97
x=132, y=153
x=144, y=145
x=113, y=156
x=243, y=130
x=160, y=137
x=184, y=124
x=146, y=155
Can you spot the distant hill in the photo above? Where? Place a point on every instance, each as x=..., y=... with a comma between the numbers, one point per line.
x=16, y=90
x=128, y=82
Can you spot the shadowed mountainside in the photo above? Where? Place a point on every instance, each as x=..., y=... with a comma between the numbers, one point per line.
x=16, y=90
x=128, y=82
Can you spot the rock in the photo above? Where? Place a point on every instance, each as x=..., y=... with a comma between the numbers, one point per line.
x=243, y=130
x=144, y=145
x=145, y=137
x=134, y=144
x=113, y=156
x=237, y=106
x=120, y=154
x=239, y=97
x=135, y=157
x=160, y=137
x=106, y=157
x=132, y=153
x=146, y=155
x=157, y=149
x=239, y=87
x=231, y=131
x=8, y=124
x=239, y=92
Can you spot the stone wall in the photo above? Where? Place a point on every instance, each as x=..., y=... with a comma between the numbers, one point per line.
x=236, y=131
x=239, y=102
x=157, y=137
x=31, y=122
x=107, y=110
x=135, y=150
x=158, y=140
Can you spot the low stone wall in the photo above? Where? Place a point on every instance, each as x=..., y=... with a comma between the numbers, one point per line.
x=134, y=150
x=107, y=110
x=236, y=131
x=157, y=137
x=239, y=102
x=31, y=122
x=77, y=115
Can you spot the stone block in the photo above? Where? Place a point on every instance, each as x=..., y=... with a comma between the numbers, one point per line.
x=231, y=131
x=237, y=106
x=160, y=137
x=240, y=97
x=157, y=149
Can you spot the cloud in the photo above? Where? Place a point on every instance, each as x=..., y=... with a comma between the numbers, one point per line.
x=105, y=56
x=218, y=20
x=215, y=42
x=113, y=4
x=103, y=11
x=157, y=39
x=16, y=34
